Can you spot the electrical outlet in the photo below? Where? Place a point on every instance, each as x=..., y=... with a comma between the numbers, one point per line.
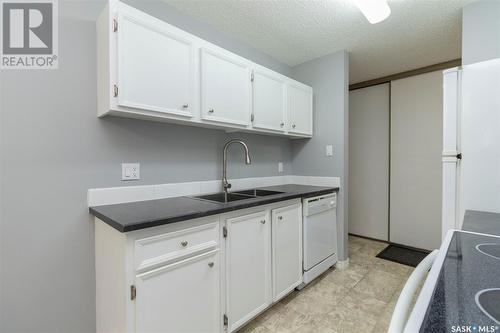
x=280, y=167
x=329, y=150
x=131, y=171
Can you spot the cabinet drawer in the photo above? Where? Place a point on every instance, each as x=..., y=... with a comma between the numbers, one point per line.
x=166, y=248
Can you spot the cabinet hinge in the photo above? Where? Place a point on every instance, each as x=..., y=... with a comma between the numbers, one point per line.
x=252, y=77
x=225, y=319
x=115, y=25
x=115, y=90
x=133, y=292
x=252, y=117
x=224, y=232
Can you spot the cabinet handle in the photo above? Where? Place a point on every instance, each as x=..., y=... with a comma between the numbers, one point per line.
x=293, y=126
x=263, y=221
x=280, y=217
x=282, y=124
x=211, y=264
x=185, y=106
x=184, y=243
x=211, y=111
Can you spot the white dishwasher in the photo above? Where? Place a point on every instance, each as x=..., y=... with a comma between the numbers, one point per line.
x=320, y=235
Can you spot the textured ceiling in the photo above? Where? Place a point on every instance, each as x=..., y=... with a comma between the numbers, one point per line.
x=418, y=32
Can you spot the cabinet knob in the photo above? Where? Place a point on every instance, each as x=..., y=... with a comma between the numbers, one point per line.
x=184, y=243
x=293, y=126
x=211, y=264
x=263, y=221
x=280, y=217
x=211, y=111
x=282, y=124
x=185, y=106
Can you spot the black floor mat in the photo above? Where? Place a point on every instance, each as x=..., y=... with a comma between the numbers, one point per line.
x=403, y=255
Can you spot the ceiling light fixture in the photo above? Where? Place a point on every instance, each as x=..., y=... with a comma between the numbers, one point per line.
x=375, y=11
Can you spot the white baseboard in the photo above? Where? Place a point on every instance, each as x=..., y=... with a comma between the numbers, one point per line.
x=342, y=264
x=115, y=195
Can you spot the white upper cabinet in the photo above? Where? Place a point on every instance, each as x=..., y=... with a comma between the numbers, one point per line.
x=155, y=68
x=300, y=109
x=268, y=101
x=225, y=88
x=149, y=69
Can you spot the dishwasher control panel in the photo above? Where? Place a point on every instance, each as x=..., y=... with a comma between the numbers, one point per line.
x=320, y=204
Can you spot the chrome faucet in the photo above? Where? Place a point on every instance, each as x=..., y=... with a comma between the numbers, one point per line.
x=225, y=184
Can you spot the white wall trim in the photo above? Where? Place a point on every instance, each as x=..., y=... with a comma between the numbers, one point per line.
x=315, y=181
x=115, y=195
x=342, y=264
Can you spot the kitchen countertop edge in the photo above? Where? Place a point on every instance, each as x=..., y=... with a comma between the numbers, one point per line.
x=221, y=208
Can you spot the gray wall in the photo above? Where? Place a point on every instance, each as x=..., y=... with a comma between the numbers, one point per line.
x=329, y=78
x=53, y=148
x=481, y=31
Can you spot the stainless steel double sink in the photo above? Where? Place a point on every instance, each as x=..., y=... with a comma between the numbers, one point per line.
x=237, y=195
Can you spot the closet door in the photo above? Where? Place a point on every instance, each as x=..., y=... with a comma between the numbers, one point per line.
x=416, y=145
x=369, y=162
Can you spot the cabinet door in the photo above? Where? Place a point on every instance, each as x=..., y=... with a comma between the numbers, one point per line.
x=155, y=68
x=182, y=297
x=269, y=101
x=287, y=249
x=225, y=88
x=248, y=267
x=300, y=109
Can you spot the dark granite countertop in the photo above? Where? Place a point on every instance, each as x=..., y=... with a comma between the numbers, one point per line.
x=482, y=222
x=465, y=272
x=145, y=214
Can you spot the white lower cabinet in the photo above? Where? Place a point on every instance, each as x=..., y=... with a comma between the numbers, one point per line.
x=212, y=274
x=248, y=267
x=287, y=249
x=181, y=297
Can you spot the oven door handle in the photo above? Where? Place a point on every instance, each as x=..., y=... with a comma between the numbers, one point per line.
x=402, y=309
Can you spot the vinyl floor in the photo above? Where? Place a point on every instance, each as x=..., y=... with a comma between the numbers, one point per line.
x=360, y=298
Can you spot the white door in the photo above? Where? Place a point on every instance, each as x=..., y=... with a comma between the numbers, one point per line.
x=269, y=101
x=480, y=138
x=287, y=249
x=415, y=168
x=155, y=68
x=369, y=161
x=300, y=109
x=248, y=267
x=225, y=88
x=181, y=297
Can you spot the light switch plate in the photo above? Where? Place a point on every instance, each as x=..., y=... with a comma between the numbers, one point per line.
x=329, y=150
x=131, y=171
x=280, y=167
